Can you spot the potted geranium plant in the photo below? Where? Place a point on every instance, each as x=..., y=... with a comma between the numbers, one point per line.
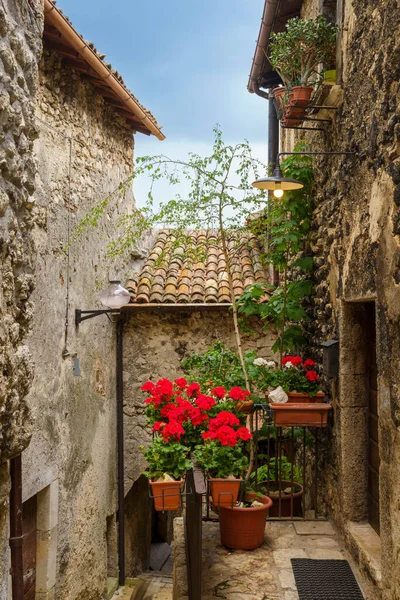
x=183, y=418
x=167, y=463
x=242, y=527
x=296, y=54
x=295, y=392
x=222, y=457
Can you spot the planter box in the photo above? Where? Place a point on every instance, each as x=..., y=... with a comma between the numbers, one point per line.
x=291, y=414
x=300, y=398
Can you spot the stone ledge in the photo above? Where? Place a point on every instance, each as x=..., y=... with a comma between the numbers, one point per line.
x=365, y=545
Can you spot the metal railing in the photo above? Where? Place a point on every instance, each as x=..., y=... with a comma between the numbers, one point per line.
x=286, y=469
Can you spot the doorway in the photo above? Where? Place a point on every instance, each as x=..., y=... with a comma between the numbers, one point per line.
x=29, y=532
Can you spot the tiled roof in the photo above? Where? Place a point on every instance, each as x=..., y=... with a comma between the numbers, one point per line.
x=192, y=270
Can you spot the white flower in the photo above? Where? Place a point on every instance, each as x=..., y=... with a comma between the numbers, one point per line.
x=289, y=365
x=270, y=363
x=260, y=362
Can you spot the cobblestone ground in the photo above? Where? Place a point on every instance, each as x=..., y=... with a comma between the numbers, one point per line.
x=266, y=573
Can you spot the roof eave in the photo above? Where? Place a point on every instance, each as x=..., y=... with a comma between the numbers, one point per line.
x=55, y=17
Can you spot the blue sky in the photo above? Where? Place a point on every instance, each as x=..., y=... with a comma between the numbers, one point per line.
x=188, y=61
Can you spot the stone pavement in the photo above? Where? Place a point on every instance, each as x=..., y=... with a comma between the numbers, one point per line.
x=148, y=586
x=266, y=573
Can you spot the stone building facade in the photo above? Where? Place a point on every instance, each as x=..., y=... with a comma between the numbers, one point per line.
x=21, y=26
x=66, y=143
x=356, y=246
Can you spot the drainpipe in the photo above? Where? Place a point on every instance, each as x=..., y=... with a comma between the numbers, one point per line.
x=16, y=538
x=120, y=450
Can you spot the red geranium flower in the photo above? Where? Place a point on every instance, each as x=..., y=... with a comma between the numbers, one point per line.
x=295, y=360
x=193, y=390
x=204, y=402
x=238, y=394
x=164, y=387
x=226, y=435
x=244, y=434
x=312, y=376
x=158, y=425
x=308, y=363
x=197, y=417
x=148, y=386
x=223, y=418
x=181, y=382
x=219, y=392
x=172, y=430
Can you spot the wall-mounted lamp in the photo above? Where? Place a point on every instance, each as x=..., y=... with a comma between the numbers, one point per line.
x=114, y=297
x=278, y=184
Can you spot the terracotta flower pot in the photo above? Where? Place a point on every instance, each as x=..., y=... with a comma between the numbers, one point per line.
x=224, y=492
x=285, y=500
x=245, y=407
x=166, y=494
x=291, y=414
x=300, y=95
x=243, y=528
x=278, y=93
x=294, y=115
x=301, y=398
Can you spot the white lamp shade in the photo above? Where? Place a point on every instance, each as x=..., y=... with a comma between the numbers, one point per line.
x=115, y=296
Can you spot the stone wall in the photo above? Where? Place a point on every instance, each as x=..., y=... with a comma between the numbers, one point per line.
x=20, y=47
x=84, y=151
x=154, y=344
x=356, y=245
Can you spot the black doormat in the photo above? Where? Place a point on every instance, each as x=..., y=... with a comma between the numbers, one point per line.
x=325, y=580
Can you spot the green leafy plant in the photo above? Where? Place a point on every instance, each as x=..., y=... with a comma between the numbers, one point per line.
x=221, y=365
x=288, y=226
x=277, y=469
x=166, y=458
x=221, y=461
x=297, y=52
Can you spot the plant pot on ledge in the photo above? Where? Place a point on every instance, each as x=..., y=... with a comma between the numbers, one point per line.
x=166, y=494
x=300, y=398
x=292, y=414
x=243, y=528
x=224, y=492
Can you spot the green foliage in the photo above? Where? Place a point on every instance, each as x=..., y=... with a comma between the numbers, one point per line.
x=221, y=461
x=277, y=469
x=219, y=186
x=170, y=458
x=297, y=52
x=288, y=226
x=220, y=365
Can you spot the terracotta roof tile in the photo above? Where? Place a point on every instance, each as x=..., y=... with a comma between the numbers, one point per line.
x=193, y=270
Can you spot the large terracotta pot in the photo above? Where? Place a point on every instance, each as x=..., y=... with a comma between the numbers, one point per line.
x=224, y=492
x=243, y=528
x=291, y=414
x=285, y=500
x=294, y=115
x=166, y=494
x=300, y=95
x=300, y=398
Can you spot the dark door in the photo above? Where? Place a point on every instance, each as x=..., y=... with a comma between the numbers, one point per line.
x=29, y=509
x=373, y=421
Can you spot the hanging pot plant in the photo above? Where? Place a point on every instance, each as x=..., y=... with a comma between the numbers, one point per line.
x=297, y=53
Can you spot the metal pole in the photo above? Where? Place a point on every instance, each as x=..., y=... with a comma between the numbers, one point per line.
x=16, y=537
x=120, y=451
x=272, y=161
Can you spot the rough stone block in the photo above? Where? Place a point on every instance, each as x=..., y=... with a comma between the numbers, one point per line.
x=47, y=507
x=46, y=556
x=286, y=579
